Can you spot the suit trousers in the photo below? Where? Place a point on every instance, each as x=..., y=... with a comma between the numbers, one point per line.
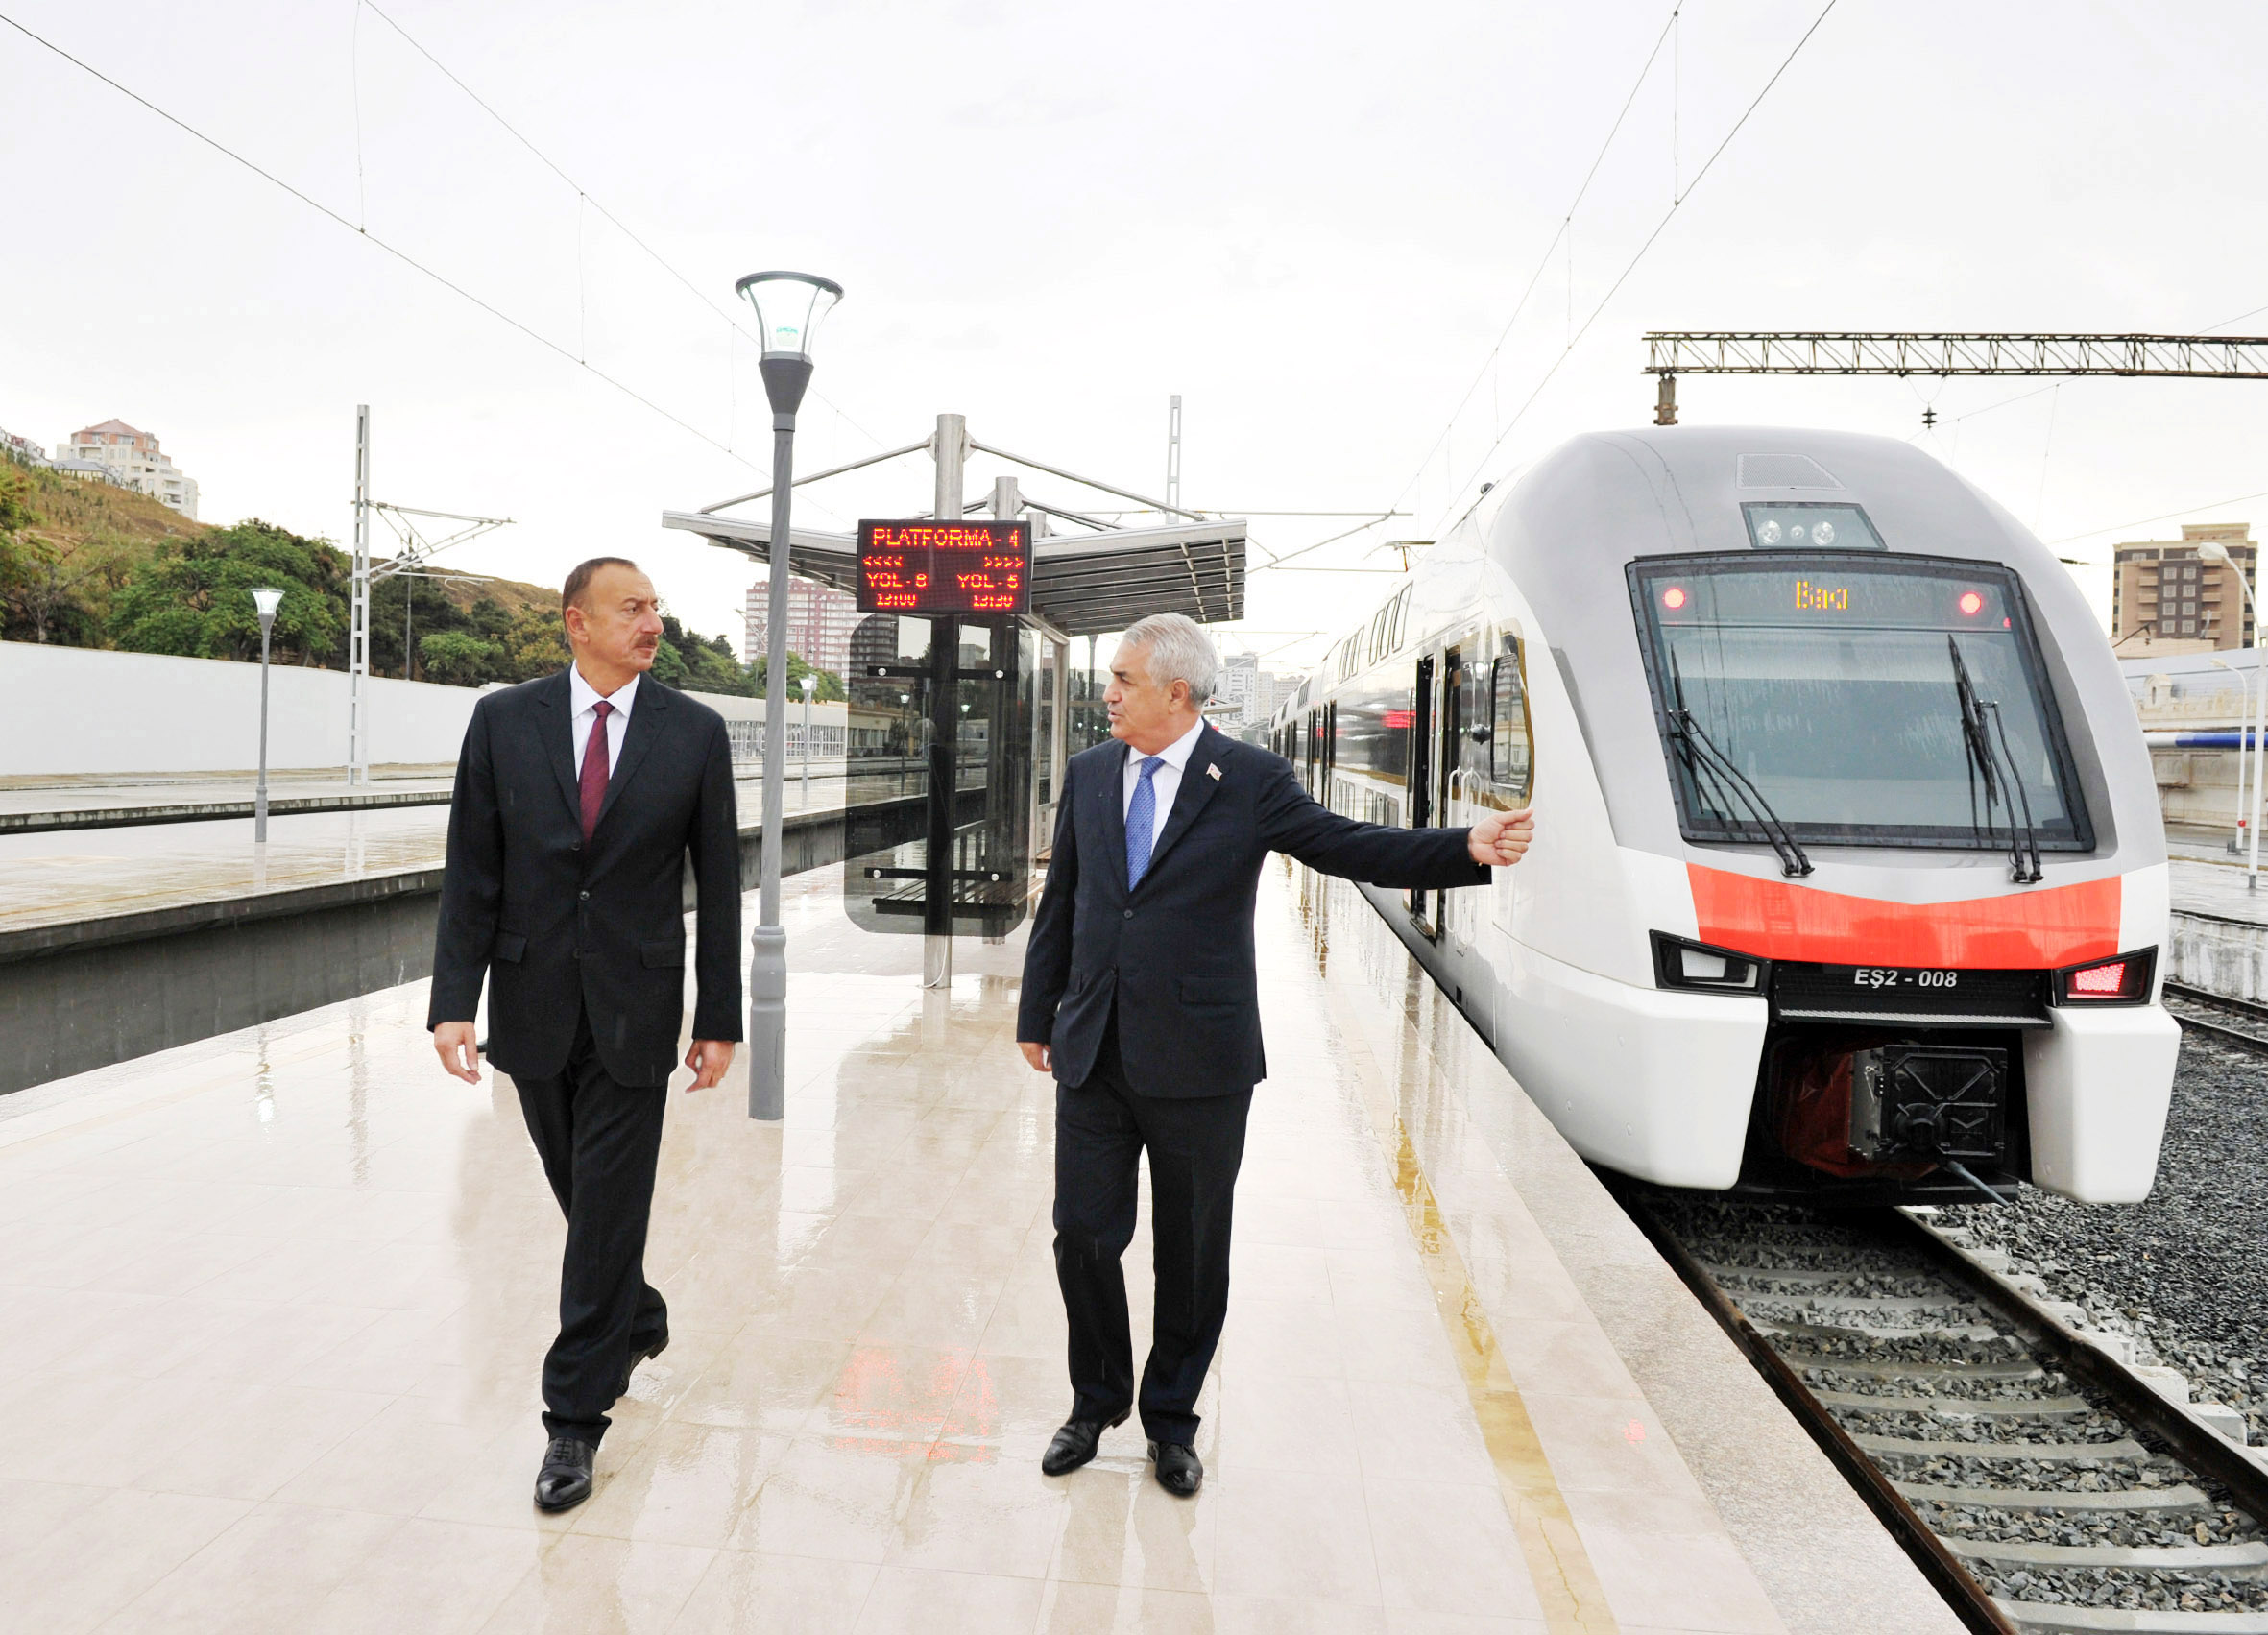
x=599, y=1141
x=1195, y=1146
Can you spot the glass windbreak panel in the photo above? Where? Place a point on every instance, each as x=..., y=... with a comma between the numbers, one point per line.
x=1830, y=685
x=888, y=820
x=1803, y=525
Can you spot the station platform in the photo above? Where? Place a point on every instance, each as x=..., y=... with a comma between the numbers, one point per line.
x=279, y=1300
x=77, y=875
x=31, y=806
x=2220, y=922
x=119, y=940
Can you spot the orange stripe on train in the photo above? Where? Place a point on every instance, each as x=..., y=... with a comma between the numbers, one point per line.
x=1778, y=920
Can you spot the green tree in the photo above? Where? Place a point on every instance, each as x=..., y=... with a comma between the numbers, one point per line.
x=707, y=663
x=455, y=657
x=40, y=579
x=669, y=665
x=830, y=685
x=194, y=597
x=533, y=644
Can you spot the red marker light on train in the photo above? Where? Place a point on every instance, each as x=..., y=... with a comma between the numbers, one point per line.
x=1673, y=597
x=1971, y=603
x=2125, y=980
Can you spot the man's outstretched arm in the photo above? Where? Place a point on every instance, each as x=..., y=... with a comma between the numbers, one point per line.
x=1293, y=822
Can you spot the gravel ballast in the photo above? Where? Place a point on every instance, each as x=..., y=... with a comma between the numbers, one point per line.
x=2187, y=1271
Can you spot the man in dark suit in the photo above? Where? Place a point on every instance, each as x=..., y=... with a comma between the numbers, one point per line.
x=1140, y=994
x=578, y=799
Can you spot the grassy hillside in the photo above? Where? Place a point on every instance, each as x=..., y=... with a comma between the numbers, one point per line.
x=85, y=565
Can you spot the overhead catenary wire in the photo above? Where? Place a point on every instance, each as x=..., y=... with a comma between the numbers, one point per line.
x=400, y=255
x=1543, y=262
x=2162, y=516
x=1631, y=266
x=583, y=195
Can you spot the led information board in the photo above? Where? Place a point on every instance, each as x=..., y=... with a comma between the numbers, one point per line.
x=944, y=568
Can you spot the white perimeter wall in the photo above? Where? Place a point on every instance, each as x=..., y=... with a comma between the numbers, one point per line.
x=79, y=709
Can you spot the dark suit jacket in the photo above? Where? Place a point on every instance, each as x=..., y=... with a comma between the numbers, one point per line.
x=1176, y=954
x=558, y=928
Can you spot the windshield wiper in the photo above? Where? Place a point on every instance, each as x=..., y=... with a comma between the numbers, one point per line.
x=1980, y=723
x=1702, y=758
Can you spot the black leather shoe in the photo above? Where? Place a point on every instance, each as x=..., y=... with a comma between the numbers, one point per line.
x=638, y=1355
x=1075, y=1443
x=565, y=1480
x=1179, y=1470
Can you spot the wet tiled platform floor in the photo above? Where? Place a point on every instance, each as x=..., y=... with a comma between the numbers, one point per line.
x=276, y=1305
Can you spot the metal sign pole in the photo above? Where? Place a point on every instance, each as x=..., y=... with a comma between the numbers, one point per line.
x=951, y=448
x=358, y=619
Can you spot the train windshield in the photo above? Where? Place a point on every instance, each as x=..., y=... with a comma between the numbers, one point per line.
x=1892, y=701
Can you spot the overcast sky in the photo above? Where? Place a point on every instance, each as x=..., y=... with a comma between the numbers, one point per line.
x=1312, y=220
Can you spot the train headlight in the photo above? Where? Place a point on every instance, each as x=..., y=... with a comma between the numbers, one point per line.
x=2124, y=981
x=1680, y=964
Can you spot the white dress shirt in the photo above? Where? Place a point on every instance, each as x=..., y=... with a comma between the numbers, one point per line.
x=579, y=720
x=1165, y=782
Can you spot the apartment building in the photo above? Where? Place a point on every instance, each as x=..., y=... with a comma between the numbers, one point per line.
x=2162, y=592
x=132, y=460
x=820, y=621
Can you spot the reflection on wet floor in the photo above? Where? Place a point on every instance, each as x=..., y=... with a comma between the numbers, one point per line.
x=280, y=1300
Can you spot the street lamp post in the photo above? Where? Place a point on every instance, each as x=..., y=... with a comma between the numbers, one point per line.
x=2244, y=715
x=2214, y=551
x=811, y=684
x=267, y=602
x=788, y=307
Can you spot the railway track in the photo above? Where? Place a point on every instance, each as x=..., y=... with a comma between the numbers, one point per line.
x=2042, y=1483
x=2233, y=1021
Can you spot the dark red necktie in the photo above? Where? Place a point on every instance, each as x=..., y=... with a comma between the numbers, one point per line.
x=594, y=767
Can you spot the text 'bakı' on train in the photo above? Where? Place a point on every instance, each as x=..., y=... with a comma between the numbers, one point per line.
x=1849, y=877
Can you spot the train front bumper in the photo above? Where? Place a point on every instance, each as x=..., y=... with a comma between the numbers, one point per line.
x=2096, y=1089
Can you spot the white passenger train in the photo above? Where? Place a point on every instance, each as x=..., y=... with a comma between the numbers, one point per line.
x=1848, y=875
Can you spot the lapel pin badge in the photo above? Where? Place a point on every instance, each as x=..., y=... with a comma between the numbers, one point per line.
x=1212, y=771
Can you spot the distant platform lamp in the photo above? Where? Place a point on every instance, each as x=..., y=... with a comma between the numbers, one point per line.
x=2216, y=552
x=267, y=602
x=809, y=683
x=788, y=307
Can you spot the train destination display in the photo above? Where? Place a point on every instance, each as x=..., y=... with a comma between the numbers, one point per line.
x=927, y=566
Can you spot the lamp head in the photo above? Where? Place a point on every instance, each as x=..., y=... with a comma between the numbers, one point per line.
x=267, y=602
x=808, y=683
x=2212, y=550
x=788, y=309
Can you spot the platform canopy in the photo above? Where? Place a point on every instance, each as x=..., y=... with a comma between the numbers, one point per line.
x=1081, y=583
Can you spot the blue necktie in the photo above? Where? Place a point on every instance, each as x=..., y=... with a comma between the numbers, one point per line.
x=1141, y=814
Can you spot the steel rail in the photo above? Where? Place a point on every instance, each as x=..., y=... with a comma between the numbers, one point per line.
x=1969, y=1600
x=2046, y=1338
x=2256, y=1043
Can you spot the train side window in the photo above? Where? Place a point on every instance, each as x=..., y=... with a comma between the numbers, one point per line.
x=1399, y=624
x=1475, y=715
x=1510, y=762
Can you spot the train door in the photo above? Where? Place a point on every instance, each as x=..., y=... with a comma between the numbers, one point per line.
x=1464, y=780
x=1418, y=792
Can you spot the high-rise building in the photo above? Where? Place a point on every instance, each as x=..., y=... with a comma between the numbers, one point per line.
x=2162, y=592
x=1236, y=691
x=819, y=623
x=134, y=461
